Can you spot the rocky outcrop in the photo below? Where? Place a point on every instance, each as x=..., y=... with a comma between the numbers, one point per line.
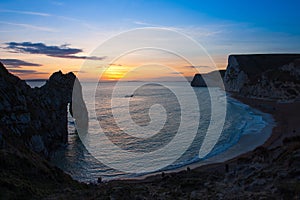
x=267, y=76
x=211, y=79
x=38, y=116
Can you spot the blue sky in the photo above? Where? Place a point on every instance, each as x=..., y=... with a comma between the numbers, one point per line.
x=222, y=27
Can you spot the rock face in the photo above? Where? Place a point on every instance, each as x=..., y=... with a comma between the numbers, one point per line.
x=212, y=79
x=38, y=116
x=268, y=76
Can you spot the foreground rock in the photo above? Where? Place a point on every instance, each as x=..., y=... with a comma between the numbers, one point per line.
x=38, y=117
x=268, y=76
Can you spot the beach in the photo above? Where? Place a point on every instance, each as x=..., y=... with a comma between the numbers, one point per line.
x=282, y=122
x=265, y=172
x=270, y=142
x=246, y=143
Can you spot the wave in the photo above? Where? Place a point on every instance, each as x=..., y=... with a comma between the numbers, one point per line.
x=251, y=123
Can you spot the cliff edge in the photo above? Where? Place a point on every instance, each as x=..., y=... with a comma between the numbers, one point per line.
x=265, y=76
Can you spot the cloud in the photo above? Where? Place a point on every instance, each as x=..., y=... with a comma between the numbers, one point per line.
x=198, y=67
x=15, y=63
x=57, y=3
x=63, y=51
x=80, y=57
x=145, y=23
x=176, y=73
x=193, y=31
x=25, y=71
x=26, y=13
x=115, y=64
x=38, y=28
x=41, y=14
x=79, y=71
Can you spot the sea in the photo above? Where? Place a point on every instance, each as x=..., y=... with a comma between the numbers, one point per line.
x=142, y=118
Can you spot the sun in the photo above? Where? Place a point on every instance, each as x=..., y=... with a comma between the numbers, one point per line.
x=114, y=72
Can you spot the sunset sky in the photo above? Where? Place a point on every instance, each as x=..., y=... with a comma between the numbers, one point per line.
x=41, y=37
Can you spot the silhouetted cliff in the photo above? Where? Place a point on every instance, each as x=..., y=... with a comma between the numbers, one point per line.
x=269, y=76
x=33, y=122
x=213, y=79
x=37, y=116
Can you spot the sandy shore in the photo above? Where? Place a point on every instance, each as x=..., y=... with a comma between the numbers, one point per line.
x=284, y=123
x=280, y=117
x=246, y=143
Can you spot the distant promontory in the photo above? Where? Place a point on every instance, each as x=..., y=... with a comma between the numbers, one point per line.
x=262, y=76
x=210, y=79
x=266, y=76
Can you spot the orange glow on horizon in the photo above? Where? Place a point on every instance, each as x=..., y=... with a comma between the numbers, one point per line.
x=114, y=72
x=124, y=69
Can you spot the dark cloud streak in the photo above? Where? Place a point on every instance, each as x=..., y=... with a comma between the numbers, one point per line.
x=80, y=57
x=193, y=67
x=16, y=63
x=63, y=51
x=24, y=71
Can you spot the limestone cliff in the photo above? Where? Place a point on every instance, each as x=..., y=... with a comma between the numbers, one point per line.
x=268, y=76
x=37, y=116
